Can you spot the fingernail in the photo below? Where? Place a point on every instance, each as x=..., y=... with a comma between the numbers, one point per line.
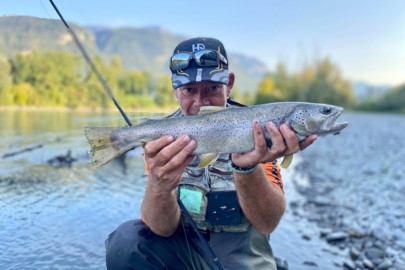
x=284, y=127
x=170, y=138
x=186, y=138
x=271, y=125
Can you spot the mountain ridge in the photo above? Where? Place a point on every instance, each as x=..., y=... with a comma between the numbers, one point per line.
x=144, y=48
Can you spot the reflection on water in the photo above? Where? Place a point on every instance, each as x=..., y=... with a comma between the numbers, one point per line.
x=58, y=218
x=62, y=216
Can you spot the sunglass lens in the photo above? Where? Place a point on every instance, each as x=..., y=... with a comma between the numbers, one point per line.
x=206, y=58
x=180, y=60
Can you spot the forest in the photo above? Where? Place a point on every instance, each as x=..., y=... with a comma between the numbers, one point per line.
x=63, y=79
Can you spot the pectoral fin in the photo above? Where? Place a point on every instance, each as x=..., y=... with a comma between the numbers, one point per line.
x=286, y=161
x=207, y=159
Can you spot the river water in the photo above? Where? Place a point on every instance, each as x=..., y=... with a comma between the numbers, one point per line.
x=57, y=217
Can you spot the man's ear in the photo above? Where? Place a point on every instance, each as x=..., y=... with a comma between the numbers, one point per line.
x=230, y=83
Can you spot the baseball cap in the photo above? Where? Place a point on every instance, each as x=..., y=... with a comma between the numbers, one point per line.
x=199, y=59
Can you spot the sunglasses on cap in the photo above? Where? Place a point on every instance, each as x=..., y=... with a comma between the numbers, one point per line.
x=203, y=58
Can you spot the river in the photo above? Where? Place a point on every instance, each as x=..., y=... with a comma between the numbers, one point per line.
x=57, y=217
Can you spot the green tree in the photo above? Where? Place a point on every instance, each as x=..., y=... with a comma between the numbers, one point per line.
x=164, y=92
x=6, y=82
x=22, y=94
x=328, y=86
x=393, y=101
x=321, y=82
x=93, y=89
x=267, y=91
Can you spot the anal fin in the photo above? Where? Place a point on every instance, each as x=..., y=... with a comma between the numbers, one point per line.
x=286, y=161
x=207, y=159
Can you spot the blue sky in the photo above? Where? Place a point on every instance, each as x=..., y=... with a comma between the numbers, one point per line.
x=365, y=38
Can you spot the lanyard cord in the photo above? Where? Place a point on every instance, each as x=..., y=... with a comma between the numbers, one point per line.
x=197, y=231
x=110, y=94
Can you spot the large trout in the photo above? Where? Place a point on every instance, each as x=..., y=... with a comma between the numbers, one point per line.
x=216, y=129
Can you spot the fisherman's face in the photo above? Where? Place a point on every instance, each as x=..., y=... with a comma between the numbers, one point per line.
x=193, y=96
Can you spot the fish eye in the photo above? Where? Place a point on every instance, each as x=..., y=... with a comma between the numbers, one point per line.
x=327, y=110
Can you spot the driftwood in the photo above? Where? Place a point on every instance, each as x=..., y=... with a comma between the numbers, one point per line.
x=62, y=160
x=26, y=149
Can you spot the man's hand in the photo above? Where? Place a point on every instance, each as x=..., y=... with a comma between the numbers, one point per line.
x=284, y=140
x=167, y=159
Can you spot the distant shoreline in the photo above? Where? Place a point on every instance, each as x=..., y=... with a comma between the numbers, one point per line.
x=82, y=109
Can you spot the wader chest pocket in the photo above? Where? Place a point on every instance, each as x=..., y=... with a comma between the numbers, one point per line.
x=223, y=208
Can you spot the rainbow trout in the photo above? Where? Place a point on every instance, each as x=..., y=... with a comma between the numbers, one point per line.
x=217, y=129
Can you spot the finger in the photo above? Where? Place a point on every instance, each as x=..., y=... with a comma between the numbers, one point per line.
x=260, y=149
x=260, y=140
x=182, y=158
x=168, y=175
x=308, y=141
x=152, y=148
x=172, y=149
x=276, y=138
x=290, y=138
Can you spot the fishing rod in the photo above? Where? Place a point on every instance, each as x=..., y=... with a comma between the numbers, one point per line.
x=92, y=65
x=110, y=94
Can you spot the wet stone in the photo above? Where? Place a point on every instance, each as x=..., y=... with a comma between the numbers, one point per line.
x=306, y=237
x=357, y=232
x=324, y=232
x=310, y=263
x=368, y=264
x=359, y=265
x=354, y=253
x=374, y=254
x=348, y=264
x=386, y=264
x=336, y=237
x=391, y=252
x=401, y=244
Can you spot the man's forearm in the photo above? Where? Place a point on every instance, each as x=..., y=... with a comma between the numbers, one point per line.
x=262, y=202
x=160, y=211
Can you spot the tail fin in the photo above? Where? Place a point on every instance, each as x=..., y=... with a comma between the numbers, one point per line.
x=104, y=147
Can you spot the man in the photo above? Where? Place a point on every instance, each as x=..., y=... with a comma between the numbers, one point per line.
x=236, y=201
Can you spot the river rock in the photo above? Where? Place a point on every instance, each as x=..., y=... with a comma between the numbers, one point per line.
x=354, y=253
x=348, y=264
x=368, y=264
x=386, y=264
x=337, y=237
x=375, y=255
x=310, y=263
x=323, y=232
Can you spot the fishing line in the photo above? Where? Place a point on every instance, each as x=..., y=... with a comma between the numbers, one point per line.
x=44, y=8
x=188, y=245
x=110, y=94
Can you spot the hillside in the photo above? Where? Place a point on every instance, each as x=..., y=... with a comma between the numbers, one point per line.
x=145, y=49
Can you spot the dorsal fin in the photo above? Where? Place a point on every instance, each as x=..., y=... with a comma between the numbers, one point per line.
x=210, y=109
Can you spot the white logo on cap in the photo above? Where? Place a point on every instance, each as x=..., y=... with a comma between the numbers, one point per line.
x=198, y=47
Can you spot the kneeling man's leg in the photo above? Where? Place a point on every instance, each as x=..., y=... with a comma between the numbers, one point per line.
x=134, y=246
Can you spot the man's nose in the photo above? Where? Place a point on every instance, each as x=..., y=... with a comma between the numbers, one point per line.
x=201, y=98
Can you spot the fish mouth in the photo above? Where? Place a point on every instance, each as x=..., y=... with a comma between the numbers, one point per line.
x=331, y=126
